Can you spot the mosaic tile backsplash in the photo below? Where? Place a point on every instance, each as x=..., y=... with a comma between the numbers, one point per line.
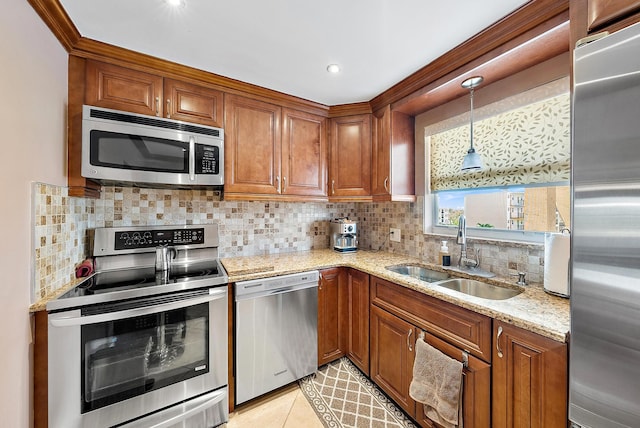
x=246, y=228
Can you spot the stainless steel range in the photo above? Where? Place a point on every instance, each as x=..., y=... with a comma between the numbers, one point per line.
x=143, y=342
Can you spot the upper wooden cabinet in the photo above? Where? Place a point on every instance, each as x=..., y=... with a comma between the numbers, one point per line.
x=120, y=88
x=350, y=153
x=393, y=174
x=264, y=162
x=529, y=379
x=252, y=147
x=601, y=13
x=193, y=103
x=304, y=154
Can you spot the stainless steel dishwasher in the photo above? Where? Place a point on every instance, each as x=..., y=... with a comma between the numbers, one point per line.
x=276, y=332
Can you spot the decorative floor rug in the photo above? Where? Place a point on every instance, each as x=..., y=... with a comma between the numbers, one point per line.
x=342, y=396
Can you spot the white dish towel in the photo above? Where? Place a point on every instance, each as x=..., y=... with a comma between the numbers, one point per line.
x=437, y=383
x=556, y=263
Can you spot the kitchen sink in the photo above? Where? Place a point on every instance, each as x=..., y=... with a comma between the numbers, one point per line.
x=462, y=285
x=479, y=289
x=419, y=272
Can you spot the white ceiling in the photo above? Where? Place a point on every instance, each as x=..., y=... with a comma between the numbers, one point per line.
x=286, y=45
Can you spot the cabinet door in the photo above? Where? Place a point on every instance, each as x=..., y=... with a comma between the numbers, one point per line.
x=393, y=175
x=476, y=388
x=120, y=88
x=392, y=355
x=358, y=322
x=529, y=381
x=304, y=154
x=381, y=174
x=350, y=173
x=192, y=103
x=252, y=146
x=331, y=315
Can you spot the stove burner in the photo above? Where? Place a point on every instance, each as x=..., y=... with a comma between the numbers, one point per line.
x=127, y=279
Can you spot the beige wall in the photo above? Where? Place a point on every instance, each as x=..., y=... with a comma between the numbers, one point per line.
x=33, y=84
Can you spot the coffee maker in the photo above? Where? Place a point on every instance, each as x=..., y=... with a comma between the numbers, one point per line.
x=343, y=235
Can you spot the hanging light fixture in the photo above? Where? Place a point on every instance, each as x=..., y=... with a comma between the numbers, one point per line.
x=472, y=160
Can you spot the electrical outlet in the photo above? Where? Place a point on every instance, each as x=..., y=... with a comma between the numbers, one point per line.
x=395, y=234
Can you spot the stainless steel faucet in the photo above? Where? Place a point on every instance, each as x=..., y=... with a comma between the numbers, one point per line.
x=464, y=261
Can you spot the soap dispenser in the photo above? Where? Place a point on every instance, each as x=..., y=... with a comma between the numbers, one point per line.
x=445, y=257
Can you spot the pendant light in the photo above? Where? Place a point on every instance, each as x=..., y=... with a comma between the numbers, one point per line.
x=472, y=160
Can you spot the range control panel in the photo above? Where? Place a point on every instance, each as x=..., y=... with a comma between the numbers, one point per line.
x=126, y=240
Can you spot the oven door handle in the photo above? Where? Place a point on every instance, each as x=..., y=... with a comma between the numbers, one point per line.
x=169, y=418
x=136, y=312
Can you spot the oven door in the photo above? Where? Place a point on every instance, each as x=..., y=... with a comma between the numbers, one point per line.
x=114, y=362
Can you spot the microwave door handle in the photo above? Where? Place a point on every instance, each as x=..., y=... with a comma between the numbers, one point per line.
x=136, y=312
x=192, y=159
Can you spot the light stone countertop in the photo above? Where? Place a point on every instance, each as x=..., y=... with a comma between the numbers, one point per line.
x=533, y=309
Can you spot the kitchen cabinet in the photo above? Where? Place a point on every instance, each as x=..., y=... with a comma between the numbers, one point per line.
x=121, y=88
x=392, y=355
x=304, y=154
x=263, y=161
x=393, y=163
x=476, y=384
x=332, y=315
x=398, y=316
x=606, y=12
x=358, y=319
x=465, y=329
x=350, y=154
x=529, y=380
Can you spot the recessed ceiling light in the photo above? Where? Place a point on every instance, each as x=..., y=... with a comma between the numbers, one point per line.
x=333, y=68
x=175, y=3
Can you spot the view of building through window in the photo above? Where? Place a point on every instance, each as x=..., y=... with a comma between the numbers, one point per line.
x=524, y=208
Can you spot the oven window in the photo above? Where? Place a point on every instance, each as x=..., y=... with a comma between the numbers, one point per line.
x=126, y=151
x=129, y=357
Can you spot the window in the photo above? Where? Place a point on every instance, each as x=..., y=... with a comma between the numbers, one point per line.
x=524, y=142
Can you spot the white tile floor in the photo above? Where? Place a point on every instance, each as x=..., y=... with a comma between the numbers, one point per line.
x=284, y=408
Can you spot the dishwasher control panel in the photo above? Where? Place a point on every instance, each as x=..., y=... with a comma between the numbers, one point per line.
x=276, y=284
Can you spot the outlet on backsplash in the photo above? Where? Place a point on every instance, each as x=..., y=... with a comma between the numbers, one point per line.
x=394, y=234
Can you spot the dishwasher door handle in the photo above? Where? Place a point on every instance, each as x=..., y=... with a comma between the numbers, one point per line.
x=281, y=290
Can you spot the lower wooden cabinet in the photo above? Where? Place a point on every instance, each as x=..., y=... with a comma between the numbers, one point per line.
x=332, y=315
x=529, y=381
x=476, y=378
x=358, y=319
x=392, y=355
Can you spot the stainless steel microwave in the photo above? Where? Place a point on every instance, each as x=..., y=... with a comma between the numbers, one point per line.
x=134, y=149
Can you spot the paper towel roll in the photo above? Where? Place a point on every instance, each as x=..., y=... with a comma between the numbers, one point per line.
x=556, y=263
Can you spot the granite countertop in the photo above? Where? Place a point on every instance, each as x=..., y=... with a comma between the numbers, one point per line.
x=533, y=309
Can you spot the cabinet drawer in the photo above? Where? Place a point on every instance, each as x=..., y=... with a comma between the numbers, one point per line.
x=465, y=329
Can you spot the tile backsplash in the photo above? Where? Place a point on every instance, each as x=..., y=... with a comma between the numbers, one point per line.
x=246, y=228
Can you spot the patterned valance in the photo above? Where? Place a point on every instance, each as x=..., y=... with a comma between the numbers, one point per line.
x=530, y=144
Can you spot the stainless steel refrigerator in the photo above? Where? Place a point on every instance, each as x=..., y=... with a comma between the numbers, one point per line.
x=604, y=370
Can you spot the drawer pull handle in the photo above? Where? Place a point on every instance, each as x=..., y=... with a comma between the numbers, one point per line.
x=500, y=354
x=409, y=340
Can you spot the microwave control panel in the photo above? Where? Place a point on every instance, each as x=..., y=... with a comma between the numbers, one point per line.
x=207, y=159
x=126, y=240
